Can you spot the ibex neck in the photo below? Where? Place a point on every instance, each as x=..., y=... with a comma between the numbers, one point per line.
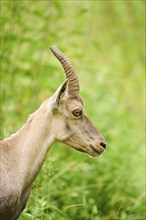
x=32, y=142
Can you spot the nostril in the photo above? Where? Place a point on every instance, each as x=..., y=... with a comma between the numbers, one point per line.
x=103, y=144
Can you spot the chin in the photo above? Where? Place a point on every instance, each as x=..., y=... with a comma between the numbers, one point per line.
x=93, y=155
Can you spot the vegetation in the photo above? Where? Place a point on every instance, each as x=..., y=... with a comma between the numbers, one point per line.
x=105, y=42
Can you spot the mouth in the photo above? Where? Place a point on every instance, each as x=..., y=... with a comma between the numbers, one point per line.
x=95, y=151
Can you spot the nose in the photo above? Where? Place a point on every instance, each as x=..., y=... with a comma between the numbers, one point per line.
x=103, y=144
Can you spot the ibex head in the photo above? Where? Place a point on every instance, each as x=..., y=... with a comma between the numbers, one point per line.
x=69, y=122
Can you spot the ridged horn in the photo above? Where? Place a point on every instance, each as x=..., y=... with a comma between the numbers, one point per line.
x=73, y=82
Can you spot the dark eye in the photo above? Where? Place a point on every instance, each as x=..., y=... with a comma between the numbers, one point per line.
x=77, y=113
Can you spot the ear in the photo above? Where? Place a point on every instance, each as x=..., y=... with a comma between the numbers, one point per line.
x=56, y=98
x=60, y=92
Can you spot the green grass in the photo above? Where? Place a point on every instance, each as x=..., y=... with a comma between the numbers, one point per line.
x=105, y=42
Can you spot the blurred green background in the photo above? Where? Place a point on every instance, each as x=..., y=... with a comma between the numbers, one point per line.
x=105, y=42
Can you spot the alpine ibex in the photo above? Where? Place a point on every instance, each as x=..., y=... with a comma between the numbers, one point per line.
x=59, y=118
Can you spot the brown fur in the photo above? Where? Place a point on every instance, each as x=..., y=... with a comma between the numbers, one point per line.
x=22, y=154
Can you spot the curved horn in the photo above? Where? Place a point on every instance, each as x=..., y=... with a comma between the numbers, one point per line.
x=73, y=82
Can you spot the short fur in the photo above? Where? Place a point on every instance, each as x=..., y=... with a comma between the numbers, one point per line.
x=22, y=154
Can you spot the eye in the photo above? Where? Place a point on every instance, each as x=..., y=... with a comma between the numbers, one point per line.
x=77, y=112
